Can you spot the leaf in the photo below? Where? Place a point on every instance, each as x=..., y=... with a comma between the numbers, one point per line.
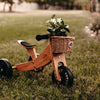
x=62, y=22
x=63, y=33
x=67, y=30
x=53, y=16
x=49, y=30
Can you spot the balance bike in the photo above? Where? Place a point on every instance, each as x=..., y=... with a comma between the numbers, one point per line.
x=54, y=52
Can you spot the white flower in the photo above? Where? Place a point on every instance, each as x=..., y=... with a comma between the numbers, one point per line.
x=61, y=30
x=86, y=27
x=53, y=20
x=48, y=32
x=90, y=25
x=50, y=27
x=47, y=21
x=59, y=20
x=67, y=26
x=53, y=29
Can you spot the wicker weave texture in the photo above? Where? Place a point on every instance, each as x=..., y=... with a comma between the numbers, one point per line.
x=62, y=45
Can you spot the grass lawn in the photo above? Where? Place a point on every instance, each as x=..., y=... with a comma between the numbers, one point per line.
x=84, y=61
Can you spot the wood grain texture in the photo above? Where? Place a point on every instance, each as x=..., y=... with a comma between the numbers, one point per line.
x=53, y=52
x=56, y=59
x=43, y=59
x=32, y=52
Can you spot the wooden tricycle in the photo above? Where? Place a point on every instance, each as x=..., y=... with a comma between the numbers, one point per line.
x=54, y=52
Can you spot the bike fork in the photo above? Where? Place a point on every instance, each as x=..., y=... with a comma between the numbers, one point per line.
x=58, y=58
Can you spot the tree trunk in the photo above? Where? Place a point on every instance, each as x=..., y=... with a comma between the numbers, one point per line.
x=10, y=8
x=97, y=33
x=92, y=5
x=99, y=5
x=4, y=6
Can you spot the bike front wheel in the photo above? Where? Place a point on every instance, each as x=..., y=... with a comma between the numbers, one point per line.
x=66, y=76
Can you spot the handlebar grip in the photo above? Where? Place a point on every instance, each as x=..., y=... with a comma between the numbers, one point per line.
x=40, y=37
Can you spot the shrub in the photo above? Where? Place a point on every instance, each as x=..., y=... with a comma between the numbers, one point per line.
x=96, y=25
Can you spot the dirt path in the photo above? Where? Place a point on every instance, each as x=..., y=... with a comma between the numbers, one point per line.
x=48, y=12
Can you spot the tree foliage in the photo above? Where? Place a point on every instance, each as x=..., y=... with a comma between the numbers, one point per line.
x=82, y=2
x=8, y=1
x=69, y=4
x=52, y=2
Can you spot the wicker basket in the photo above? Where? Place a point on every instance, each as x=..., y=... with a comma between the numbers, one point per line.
x=61, y=44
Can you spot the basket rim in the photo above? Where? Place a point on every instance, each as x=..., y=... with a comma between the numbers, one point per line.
x=54, y=37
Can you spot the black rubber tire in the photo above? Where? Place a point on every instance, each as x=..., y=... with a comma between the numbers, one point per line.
x=5, y=69
x=66, y=76
x=36, y=70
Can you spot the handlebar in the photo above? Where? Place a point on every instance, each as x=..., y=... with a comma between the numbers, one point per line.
x=40, y=37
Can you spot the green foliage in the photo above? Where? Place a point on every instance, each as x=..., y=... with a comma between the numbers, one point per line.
x=82, y=2
x=52, y=2
x=57, y=27
x=9, y=1
x=84, y=61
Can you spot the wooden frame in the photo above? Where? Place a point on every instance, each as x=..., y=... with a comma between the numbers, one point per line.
x=43, y=59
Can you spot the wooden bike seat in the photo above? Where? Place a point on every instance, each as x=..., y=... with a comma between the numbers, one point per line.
x=25, y=44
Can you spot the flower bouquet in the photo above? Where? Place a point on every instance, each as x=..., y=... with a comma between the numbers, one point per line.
x=56, y=27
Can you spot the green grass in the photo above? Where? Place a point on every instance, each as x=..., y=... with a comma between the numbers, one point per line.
x=84, y=61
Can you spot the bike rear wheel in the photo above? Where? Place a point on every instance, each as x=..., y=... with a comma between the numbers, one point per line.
x=5, y=69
